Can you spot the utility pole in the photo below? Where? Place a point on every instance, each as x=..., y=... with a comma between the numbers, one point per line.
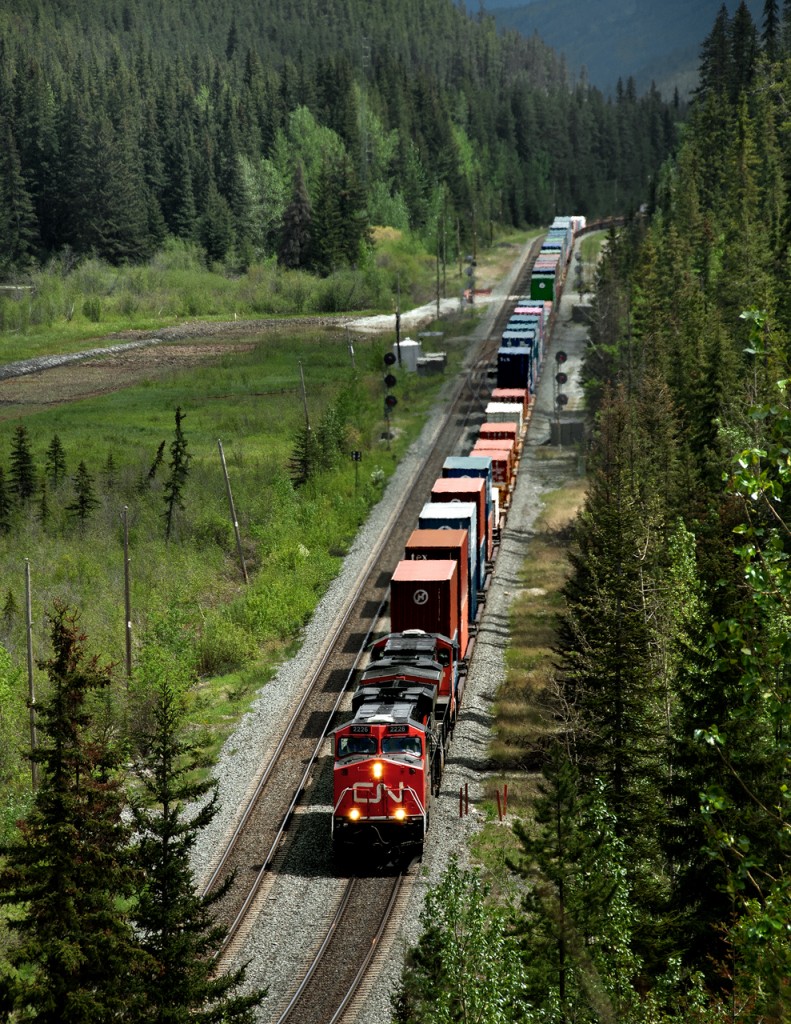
x=127, y=597
x=398, y=317
x=304, y=395
x=234, y=520
x=30, y=684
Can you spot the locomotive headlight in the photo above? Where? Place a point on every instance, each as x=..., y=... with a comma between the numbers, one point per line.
x=354, y=813
x=399, y=813
x=376, y=769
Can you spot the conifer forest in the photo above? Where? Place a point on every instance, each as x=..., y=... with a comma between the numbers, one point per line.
x=651, y=880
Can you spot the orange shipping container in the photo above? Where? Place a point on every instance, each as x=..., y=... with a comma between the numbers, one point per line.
x=425, y=595
x=442, y=544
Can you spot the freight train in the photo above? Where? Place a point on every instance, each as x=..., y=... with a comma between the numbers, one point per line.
x=389, y=758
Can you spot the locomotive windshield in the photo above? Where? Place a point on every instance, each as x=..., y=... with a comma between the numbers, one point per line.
x=356, y=745
x=402, y=745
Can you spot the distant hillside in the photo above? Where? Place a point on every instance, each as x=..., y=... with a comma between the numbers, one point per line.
x=652, y=40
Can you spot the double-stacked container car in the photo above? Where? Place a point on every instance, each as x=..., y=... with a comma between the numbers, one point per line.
x=388, y=760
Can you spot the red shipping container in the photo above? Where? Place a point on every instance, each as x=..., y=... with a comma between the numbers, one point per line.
x=443, y=544
x=502, y=454
x=497, y=432
x=424, y=594
x=463, y=488
x=521, y=396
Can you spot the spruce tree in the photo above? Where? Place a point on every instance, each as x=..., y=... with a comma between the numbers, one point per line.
x=55, y=461
x=18, y=229
x=109, y=473
x=5, y=504
x=294, y=250
x=85, y=500
x=68, y=872
x=174, y=922
x=23, y=473
x=305, y=456
x=575, y=916
x=43, y=504
x=179, y=470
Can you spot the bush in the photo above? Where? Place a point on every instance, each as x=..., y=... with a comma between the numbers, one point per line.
x=224, y=646
x=92, y=309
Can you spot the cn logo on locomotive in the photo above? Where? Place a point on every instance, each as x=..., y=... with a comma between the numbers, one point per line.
x=358, y=789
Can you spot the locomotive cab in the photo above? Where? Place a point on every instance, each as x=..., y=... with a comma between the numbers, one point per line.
x=382, y=767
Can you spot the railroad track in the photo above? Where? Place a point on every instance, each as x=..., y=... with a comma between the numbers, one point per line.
x=351, y=942
x=251, y=849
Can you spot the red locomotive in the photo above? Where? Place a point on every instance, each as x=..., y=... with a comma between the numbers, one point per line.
x=389, y=757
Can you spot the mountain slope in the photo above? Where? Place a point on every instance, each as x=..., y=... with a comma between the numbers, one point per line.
x=651, y=40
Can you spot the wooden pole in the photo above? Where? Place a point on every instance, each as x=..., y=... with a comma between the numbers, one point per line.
x=304, y=395
x=127, y=596
x=30, y=683
x=398, y=317
x=234, y=520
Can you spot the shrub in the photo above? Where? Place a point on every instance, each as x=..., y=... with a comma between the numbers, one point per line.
x=224, y=646
x=92, y=309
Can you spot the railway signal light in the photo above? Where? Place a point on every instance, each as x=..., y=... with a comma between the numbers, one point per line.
x=390, y=381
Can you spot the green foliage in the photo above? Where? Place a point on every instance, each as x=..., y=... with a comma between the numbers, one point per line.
x=175, y=924
x=199, y=141
x=22, y=476
x=15, y=777
x=85, y=500
x=55, y=461
x=76, y=955
x=577, y=920
x=466, y=966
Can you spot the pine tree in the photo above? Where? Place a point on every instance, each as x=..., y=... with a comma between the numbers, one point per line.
x=109, y=473
x=10, y=609
x=23, y=472
x=175, y=923
x=5, y=504
x=575, y=916
x=179, y=470
x=85, y=500
x=18, y=228
x=294, y=251
x=69, y=871
x=55, y=464
x=771, y=26
x=305, y=456
x=43, y=504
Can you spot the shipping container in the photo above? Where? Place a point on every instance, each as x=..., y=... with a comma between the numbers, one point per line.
x=515, y=368
x=454, y=516
x=476, y=467
x=439, y=545
x=519, y=395
x=498, y=431
x=467, y=489
x=425, y=595
x=504, y=412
